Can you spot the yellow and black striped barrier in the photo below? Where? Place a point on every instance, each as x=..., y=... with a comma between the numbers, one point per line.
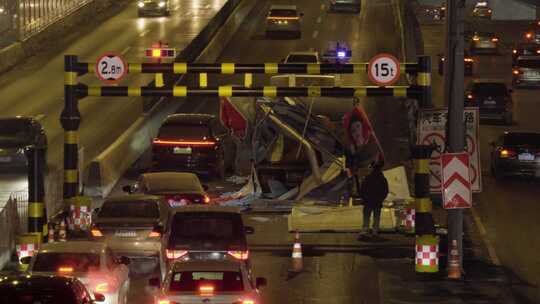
x=253, y=68
x=266, y=91
x=37, y=215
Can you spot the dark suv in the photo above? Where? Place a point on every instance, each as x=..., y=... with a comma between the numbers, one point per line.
x=194, y=143
x=17, y=134
x=205, y=232
x=492, y=98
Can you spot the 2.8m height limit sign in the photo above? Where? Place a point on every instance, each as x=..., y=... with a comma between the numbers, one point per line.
x=431, y=129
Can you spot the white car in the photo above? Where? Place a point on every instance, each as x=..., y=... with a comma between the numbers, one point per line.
x=302, y=57
x=210, y=281
x=93, y=263
x=283, y=19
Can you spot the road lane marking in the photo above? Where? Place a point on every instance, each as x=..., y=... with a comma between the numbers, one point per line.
x=315, y=34
x=487, y=242
x=144, y=33
x=319, y=20
x=125, y=50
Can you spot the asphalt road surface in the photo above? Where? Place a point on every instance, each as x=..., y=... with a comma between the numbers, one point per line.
x=339, y=273
x=508, y=208
x=35, y=88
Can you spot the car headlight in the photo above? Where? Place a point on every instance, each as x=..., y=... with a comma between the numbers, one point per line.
x=141, y=4
x=161, y=4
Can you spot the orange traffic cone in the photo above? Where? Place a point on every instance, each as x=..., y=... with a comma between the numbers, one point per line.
x=50, y=236
x=62, y=234
x=297, y=262
x=454, y=269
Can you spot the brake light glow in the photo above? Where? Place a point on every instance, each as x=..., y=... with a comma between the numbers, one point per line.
x=156, y=53
x=494, y=39
x=469, y=60
x=282, y=18
x=206, y=199
x=476, y=38
x=514, y=51
x=470, y=96
x=206, y=290
x=65, y=269
x=154, y=234
x=162, y=301
x=182, y=142
x=528, y=35
x=96, y=233
x=102, y=287
x=248, y=302
x=505, y=153
x=515, y=71
x=239, y=255
x=175, y=254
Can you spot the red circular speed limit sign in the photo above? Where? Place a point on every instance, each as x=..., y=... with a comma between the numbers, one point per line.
x=110, y=68
x=384, y=69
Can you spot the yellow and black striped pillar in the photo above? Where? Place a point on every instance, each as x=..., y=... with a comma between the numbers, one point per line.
x=423, y=80
x=37, y=216
x=70, y=120
x=424, y=223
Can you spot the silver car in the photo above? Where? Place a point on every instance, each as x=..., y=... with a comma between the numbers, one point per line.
x=223, y=281
x=484, y=42
x=93, y=263
x=283, y=19
x=132, y=226
x=526, y=71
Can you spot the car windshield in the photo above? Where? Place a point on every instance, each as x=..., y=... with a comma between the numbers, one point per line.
x=140, y=209
x=282, y=13
x=205, y=225
x=529, y=63
x=219, y=281
x=184, y=131
x=13, y=128
x=302, y=58
x=518, y=139
x=41, y=295
x=66, y=262
x=492, y=89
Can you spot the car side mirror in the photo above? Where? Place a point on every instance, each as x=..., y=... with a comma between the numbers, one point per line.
x=127, y=189
x=26, y=260
x=154, y=282
x=260, y=282
x=98, y=297
x=249, y=230
x=205, y=187
x=124, y=260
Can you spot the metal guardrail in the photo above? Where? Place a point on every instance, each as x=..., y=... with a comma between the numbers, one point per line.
x=20, y=19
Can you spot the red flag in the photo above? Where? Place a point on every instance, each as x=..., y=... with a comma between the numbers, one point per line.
x=231, y=118
x=360, y=134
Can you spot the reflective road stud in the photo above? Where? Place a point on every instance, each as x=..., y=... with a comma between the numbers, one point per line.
x=427, y=253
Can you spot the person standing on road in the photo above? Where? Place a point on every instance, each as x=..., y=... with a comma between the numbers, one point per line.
x=373, y=192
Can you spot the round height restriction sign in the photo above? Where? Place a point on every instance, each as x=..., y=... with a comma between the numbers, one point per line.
x=110, y=68
x=383, y=69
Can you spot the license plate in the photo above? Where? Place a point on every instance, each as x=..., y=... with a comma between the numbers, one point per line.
x=125, y=233
x=5, y=159
x=179, y=150
x=526, y=156
x=490, y=102
x=179, y=203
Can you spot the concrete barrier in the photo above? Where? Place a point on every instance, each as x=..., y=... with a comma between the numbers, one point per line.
x=108, y=167
x=94, y=11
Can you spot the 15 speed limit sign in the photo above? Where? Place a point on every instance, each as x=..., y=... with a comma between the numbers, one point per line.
x=383, y=69
x=110, y=68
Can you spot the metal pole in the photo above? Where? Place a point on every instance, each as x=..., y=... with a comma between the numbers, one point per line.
x=454, y=91
x=36, y=207
x=70, y=120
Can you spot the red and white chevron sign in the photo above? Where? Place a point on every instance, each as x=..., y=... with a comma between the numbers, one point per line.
x=456, y=184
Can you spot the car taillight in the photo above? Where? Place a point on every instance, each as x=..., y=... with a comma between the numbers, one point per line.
x=65, y=269
x=205, y=143
x=206, y=290
x=206, y=199
x=469, y=60
x=248, y=302
x=528, y=35
x=476, y=38
x=517, y=71
x=494, y=39
x=154, y=234
x=514, y=51
x=175, y=254
x=96, y=232
x=166, y=301
x=506, y=153
x=239, y=255
x=470, y=96
x=102, y=287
